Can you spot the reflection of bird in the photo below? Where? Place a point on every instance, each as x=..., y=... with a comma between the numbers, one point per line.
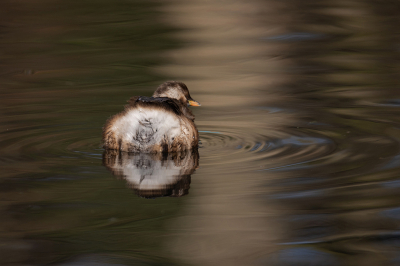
x=162, y=123
x=154, y=175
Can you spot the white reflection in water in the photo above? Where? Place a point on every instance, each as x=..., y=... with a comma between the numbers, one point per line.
x=154, y=175
x=225, y=221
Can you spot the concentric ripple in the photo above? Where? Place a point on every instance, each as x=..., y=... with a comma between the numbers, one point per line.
x=219, y=145
x=35, y=146
x=260, y=149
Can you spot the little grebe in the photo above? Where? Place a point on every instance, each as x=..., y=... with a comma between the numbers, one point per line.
x=162, y=123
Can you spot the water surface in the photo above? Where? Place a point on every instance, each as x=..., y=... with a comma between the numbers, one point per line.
x=299, y=126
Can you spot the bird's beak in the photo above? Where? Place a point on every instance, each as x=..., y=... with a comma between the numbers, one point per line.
x=193, y=103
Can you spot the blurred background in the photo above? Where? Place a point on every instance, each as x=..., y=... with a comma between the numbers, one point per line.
x=299, y=162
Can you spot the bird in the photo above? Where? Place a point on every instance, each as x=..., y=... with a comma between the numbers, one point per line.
x=162, y=123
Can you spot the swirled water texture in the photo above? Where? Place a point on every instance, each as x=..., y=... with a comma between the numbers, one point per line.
x=299, y=155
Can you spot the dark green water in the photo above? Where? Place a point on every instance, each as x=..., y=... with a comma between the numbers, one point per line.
x=299, y=161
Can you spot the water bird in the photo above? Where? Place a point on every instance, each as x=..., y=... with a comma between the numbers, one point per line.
x=161, y=123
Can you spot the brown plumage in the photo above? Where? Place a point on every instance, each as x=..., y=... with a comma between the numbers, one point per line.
x=162, y=123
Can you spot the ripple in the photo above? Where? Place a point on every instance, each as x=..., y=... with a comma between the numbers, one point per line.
x=29, y=147
x=267, y=149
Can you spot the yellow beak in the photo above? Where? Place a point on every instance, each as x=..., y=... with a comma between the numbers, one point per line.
x=193, y=103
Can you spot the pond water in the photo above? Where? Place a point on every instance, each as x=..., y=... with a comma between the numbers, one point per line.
x=299, y=160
